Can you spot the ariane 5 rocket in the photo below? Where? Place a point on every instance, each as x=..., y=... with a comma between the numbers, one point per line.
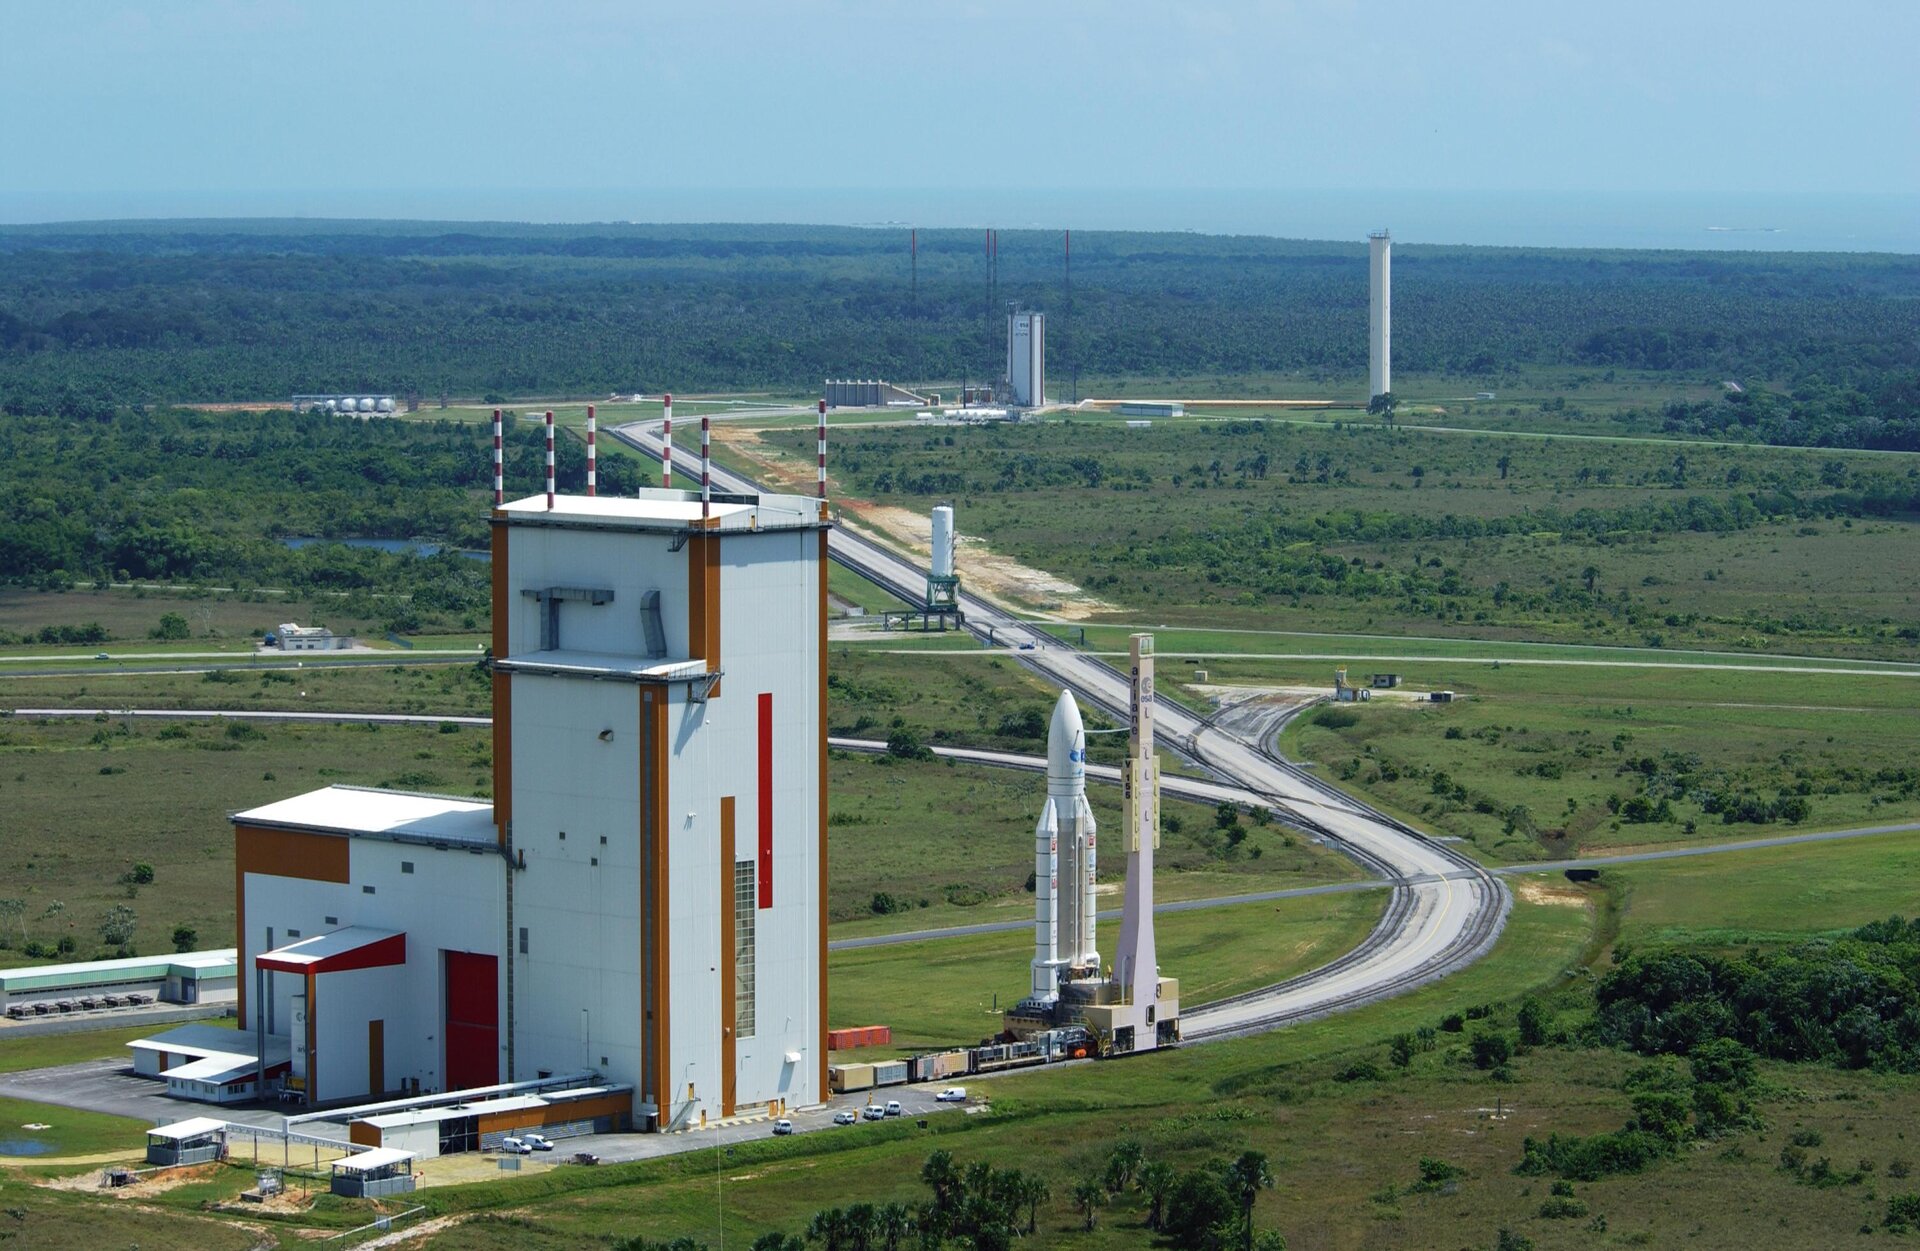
x=1064, y=861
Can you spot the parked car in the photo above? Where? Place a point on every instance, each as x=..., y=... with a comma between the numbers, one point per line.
x=873, y=1112
x=782, y=1127
x=514, y=1146
x=539, y=1142
x=585, y=1157
x=952, y=1094
x=845, y=1117
x=894, y=1108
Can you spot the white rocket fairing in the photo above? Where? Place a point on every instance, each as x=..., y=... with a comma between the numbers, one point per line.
x=1064, y=859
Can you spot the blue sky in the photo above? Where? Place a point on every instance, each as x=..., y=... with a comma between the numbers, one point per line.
x=121, y=107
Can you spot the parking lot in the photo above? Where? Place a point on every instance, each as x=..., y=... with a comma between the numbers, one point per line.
x=110, y=1086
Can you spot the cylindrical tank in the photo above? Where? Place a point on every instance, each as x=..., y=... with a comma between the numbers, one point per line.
x=333, y=406
x=366, y=404
x=943, y=541
x=384, y=406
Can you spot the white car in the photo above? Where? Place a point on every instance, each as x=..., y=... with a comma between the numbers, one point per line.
x=515, y=1146
x=538, y=1142
x=845, y=1117
x=873, y=1112
x=894, y=1108
x=952, y=1094
x=782, y=1127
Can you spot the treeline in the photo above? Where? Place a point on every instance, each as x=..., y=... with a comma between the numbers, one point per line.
x=93, y=318
x=211, y=498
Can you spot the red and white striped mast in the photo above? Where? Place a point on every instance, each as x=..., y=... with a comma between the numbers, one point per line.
x=820, y=438
x=499, y=475
x=549, y=459
x=706, y=466
x=666, y=441
x=592, y=476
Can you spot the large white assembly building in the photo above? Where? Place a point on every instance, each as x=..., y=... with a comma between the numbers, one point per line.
x=643, y=901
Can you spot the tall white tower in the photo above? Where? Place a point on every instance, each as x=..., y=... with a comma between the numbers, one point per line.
x=1379, y=313
x=1027, y=358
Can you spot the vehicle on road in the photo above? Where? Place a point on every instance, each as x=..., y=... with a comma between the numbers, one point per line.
x=1026, y=647
x=873, y=1112
x=539, y=1142
x=782, y=1127
x=952, y=1094
x=894, y=1108
x=845, y=1117
x=585, y=1157
x=102, y=656
x=515, y=1146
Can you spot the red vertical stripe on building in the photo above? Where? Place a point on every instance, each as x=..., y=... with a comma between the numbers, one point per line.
x=765, y=874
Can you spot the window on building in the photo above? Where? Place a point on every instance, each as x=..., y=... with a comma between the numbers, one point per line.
x=293, y=933
x=523, y=940
x=596, y=862
x=406, y=866
x=333, y=920
x=744, y=900
x=366, y=890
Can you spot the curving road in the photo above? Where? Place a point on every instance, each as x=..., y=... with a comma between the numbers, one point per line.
x=1446, y=910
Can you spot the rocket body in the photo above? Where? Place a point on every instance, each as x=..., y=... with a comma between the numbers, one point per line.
x=1065, y=856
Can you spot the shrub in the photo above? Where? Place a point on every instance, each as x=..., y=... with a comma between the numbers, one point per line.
x=1560, y=1209
x=1491, y=1050
x=1359, y=1071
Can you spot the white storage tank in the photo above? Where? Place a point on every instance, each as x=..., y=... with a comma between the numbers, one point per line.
x=384, y=406
x=366, y=404
x=943, y=541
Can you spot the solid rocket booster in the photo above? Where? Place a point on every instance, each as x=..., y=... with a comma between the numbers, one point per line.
x=1064, y=858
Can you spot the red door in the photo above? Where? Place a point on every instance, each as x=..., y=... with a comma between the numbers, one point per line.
x=472, y=1027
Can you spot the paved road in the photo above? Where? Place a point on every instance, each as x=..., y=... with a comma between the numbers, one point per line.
x=1452, y=911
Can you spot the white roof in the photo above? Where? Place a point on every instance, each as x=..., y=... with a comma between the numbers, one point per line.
x=656, y=509
x=219, y=1067
x=333, y=943
x=192, y=1128
x=197, y=1041
x=367, y=1161
x=508, y=1103
x=381, y=813
x=104, y=970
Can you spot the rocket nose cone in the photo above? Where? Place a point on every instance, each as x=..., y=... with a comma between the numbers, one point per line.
x=1066, y=741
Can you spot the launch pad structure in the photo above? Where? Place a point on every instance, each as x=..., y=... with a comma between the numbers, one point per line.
x=1128, y=1008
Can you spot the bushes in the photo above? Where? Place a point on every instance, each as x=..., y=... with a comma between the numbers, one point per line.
x=1850, y=1002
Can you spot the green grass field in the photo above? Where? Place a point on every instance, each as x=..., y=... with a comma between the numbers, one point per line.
x=979, y=976
x=69, y=1132
x=1572, y=743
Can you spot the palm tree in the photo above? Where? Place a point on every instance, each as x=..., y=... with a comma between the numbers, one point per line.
x=1156, y=1181
x=894, y=1223
x=1088, y=1196
x=942, y=1176
x=1246, y=1177
x=1127, y=1153
x=829, y=1228
x=1034, y=1191
x=862, y=1221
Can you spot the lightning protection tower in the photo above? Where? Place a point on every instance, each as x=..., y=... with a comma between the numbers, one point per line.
x=1379, y=313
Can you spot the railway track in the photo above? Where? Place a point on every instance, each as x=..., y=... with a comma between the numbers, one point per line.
x=1446, y=910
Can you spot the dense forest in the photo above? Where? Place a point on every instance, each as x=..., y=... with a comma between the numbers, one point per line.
x=102, y=316
x=182, y=496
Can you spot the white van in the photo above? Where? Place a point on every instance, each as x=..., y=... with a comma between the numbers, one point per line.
x=894, y=1108
x=952, y=1094
x=783, y=1126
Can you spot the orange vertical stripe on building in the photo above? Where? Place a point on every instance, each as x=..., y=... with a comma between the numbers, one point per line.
x=729, y=1007
x=820, y=696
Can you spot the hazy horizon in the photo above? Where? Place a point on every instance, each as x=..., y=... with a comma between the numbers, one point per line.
x=1640, y=124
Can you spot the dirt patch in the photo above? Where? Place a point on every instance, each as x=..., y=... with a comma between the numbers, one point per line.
x=985, y=572
x=1534, y=890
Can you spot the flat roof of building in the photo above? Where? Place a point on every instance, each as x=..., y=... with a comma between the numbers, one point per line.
x=192, y=965
x=562, y=663
x=193, y=1127
x=655, y=508
x=367, y=1161
x=372, y=813
x=198, y=1040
